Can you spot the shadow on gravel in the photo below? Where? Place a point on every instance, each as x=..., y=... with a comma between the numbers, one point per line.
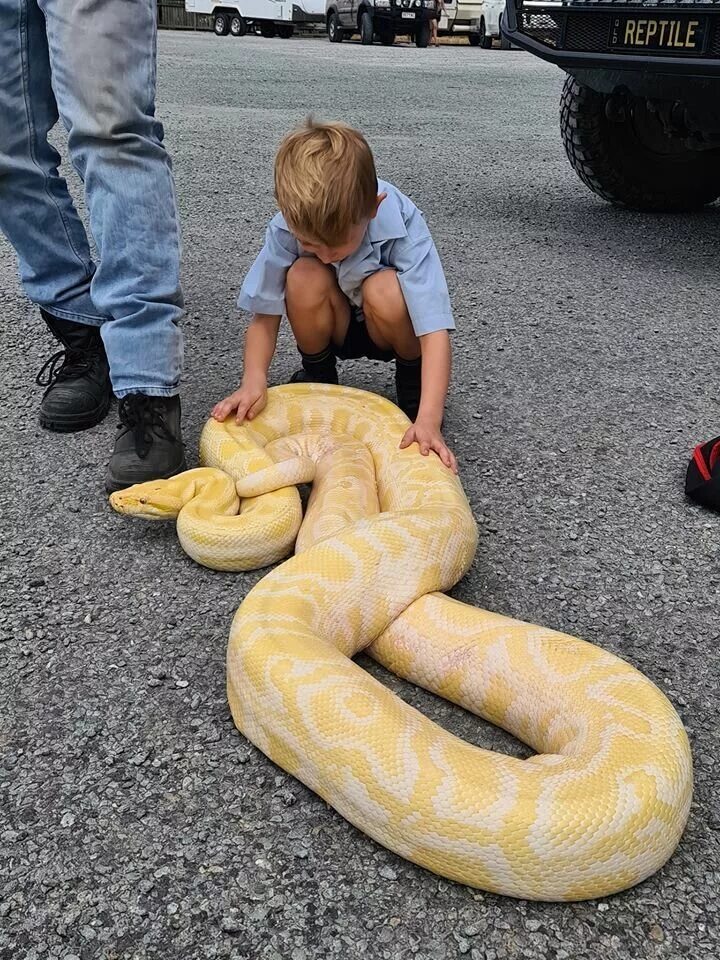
x=575, y=227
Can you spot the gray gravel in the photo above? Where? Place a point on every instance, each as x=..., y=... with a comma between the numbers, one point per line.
x=136, y=822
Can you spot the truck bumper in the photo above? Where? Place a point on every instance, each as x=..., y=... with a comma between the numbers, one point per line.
x=577, y=37
x=394, y=19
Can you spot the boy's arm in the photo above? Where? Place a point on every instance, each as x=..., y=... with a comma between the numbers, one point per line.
x=251, y=396
x=263, y=295
x=427, y=429
x=260, y=343
x=424, y=287
x=436, y=365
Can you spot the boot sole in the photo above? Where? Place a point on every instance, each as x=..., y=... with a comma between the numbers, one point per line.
x=112, y=485
x=73, y=423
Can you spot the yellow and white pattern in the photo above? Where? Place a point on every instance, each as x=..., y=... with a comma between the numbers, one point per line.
x=604, y=801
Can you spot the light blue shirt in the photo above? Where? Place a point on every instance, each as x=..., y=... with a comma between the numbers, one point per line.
x=398, y=237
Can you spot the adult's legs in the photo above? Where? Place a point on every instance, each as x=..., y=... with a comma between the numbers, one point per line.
x=103, y=67
x=40, y=220
x=36, y=212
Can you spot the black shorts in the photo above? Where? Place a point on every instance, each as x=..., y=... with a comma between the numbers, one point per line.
x=357, y=342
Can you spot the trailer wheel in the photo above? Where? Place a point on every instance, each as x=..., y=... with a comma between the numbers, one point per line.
x=485, y=40
x=268, y=30
x=422, y=34
x=475, y=39
x=238, y=27
x=387, y=38
x=285, y=30
x=221, y=24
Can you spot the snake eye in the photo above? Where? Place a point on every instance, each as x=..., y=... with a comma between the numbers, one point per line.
x=143, y=500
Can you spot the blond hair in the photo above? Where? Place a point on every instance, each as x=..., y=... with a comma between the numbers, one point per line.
x=325, y=181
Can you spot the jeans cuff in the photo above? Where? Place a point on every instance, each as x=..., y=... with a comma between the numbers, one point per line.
x=148, y=391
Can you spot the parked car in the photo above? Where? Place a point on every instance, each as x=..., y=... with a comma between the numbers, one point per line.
x=384, y=19
x=485, y=26
x=478, y=20
x=463, y=19
x=640, y=109
x=270, y=18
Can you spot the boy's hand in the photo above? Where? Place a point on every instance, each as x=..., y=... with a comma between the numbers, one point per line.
x=247, y=401
x=428, y=437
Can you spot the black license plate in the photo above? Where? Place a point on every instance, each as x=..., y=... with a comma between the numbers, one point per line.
x=671, y=34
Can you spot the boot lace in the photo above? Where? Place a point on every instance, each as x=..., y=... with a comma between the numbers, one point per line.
x=64, y=365
x=144, y=416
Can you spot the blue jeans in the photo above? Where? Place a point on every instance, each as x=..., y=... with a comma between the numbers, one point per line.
x=92, y=63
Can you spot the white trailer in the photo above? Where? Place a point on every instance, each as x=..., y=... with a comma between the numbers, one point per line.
x=269, y=18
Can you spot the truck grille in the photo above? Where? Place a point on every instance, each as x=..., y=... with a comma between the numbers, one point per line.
x=543, y=27
x=587, y=33
x=584, y=26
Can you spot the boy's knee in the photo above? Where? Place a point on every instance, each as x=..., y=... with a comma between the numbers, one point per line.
x=382, y=295
x=308, y=280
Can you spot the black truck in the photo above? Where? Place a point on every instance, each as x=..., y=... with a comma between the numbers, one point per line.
x=640, y=108
x=384, y=19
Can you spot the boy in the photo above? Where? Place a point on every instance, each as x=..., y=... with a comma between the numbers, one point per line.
x=351, y=263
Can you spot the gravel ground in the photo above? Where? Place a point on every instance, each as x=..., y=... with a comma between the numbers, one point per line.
x=136, y=822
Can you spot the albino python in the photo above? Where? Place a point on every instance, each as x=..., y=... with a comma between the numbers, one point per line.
x=604, y=801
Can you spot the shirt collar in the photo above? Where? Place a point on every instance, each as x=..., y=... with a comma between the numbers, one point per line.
x=389, y=223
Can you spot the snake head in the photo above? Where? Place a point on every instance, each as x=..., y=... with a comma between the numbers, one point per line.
x=154, y=500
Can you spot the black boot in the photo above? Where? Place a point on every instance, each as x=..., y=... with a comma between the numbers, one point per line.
x=408, y=385
x=77, y=378
x=317, y=368
x=149, y=442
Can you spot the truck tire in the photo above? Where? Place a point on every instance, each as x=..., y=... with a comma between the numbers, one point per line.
x=422, y=34
x=475, y=39
x=366, y=29
x=630, y=161
x=238, y=27
x=334, y=30
x=268, y=30
x=221, y=24
x=285, y=30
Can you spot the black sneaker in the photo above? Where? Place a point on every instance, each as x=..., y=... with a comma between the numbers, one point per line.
x=149, y=442
x=408, y=384
x=78, y=393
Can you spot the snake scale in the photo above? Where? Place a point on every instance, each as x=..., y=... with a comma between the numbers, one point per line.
x=603, y=802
